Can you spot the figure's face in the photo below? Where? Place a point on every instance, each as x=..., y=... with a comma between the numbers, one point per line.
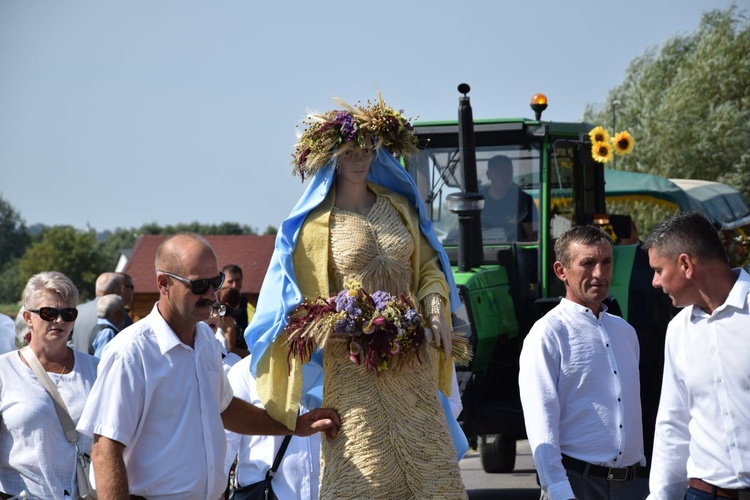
x=671, y=275
x=587, y=279
x=43, y=331
x=354, y=164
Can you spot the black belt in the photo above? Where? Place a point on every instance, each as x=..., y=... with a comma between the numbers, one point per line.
x=608, y=473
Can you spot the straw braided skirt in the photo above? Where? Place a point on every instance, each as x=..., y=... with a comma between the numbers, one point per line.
x=393, y=442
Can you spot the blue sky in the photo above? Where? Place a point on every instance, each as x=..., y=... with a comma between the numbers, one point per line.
x=117, y=114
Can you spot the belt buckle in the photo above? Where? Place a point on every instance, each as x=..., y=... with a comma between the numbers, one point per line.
x=617, y=474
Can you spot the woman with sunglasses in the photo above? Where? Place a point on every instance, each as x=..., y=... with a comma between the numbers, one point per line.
x=362, y=219
x=35, y=455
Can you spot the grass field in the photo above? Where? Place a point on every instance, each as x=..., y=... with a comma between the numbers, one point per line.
x=10, y=309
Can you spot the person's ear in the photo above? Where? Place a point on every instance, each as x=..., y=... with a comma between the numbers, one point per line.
x=162, y=283
x=27, y=317
x=560, y=270
x=687, y=266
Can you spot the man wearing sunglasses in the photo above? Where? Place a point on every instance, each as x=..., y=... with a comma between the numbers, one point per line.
x=161, y=401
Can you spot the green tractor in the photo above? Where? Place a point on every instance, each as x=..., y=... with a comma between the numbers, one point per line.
x=504, y=277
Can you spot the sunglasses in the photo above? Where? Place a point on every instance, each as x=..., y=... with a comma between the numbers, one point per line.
x=199, y=287
x=52, y=313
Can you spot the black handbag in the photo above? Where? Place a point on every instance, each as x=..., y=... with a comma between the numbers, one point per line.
x=262, y=490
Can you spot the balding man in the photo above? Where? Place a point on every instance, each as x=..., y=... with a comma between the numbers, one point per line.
x=110, y=313
x=161, y=401
x=83, y=330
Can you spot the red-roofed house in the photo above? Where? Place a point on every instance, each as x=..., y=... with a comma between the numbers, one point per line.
x=252, y=253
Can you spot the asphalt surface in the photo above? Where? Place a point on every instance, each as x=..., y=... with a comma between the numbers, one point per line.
x=517, y=485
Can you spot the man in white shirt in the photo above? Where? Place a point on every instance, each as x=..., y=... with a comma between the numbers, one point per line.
x=161, y=400
x=702, y=440
x=299, y=471
x=579, y=383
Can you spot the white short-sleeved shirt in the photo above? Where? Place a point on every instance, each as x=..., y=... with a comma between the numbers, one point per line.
x=35, y=455
x=163, y=400
x=298, y=474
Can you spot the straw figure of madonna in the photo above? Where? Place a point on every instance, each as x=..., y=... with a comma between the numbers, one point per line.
x=354, y=313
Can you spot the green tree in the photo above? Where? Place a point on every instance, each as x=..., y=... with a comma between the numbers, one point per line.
x=114, y=243
x=14, y=239
x=198, y=228
x=687, y=104
x=73, y=253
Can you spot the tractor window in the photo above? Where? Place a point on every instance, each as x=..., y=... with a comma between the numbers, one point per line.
x=562, y=161
x=507, y=176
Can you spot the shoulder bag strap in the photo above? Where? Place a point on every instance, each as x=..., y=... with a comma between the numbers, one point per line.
x=271, y=473
x=62, y=411
x=280, y=453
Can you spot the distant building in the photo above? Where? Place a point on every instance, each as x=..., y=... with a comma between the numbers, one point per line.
x=251, y=252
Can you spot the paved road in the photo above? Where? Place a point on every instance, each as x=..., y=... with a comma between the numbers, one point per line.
x=517, y=485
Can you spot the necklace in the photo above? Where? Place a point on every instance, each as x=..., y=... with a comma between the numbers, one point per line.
x=64, y=369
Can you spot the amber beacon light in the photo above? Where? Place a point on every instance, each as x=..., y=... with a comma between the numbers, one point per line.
x=538, y=104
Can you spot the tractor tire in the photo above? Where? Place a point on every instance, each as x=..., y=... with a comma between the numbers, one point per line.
x=498, y=454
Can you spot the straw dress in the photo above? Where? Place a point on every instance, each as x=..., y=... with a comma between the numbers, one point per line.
x=394, y=442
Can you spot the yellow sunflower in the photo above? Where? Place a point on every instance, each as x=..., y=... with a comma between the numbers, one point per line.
x=599, y=134
x=623, y=143
x=601, y=152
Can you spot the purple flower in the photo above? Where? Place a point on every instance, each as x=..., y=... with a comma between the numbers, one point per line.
x=381, y=299
x=348, y=127
x=411, y=316
x=347, y=302
x=346, y=325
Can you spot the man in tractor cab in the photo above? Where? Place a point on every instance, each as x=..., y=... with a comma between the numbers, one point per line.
x=506, y=205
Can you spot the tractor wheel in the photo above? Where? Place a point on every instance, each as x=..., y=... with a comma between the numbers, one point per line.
x=498, y=453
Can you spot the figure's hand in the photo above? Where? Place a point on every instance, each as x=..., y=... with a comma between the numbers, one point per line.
x=442, y=334
x=318, y=420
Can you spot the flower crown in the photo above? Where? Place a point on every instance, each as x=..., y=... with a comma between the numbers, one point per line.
x=372, y=125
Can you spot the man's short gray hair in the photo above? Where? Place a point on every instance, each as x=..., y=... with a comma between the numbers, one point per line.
x=108, y=304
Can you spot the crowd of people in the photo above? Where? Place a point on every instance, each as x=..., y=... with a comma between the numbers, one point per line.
x=197, y=401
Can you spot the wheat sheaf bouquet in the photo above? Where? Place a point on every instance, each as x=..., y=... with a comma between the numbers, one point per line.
x=382, y=329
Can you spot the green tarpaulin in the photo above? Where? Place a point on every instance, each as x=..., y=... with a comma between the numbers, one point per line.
x=721, y=204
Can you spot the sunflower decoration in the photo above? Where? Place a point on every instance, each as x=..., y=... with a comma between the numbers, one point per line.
x=327, y=135
x=599, y=134
x=623, y=143
x=601, y=152
x=603, y=147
